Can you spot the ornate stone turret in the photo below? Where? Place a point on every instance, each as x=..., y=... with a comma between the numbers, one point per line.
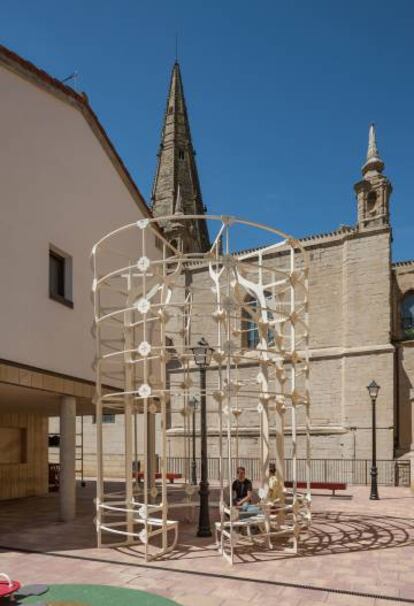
x=176, y=182
x=374, y=191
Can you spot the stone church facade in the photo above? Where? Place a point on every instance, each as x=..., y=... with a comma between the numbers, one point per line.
x=361, y=306
x=361, y=313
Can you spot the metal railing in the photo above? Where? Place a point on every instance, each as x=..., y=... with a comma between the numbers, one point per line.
x=351, y=471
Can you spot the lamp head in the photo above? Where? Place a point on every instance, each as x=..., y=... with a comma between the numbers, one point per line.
x=202, y=353
x=193, y=403
x=373, y=389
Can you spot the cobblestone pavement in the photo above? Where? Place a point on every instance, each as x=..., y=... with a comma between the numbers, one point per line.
x=355, y=545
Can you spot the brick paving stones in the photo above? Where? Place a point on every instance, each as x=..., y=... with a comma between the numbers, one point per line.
x=354, y=545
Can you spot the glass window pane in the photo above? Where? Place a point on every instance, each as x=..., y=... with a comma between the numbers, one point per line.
x=56, y=274
x=250, y=326
x=407, y=316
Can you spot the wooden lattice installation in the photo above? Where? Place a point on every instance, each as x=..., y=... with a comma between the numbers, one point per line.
x=152, y=304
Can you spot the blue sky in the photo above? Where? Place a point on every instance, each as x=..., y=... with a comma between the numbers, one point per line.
x=280, y=95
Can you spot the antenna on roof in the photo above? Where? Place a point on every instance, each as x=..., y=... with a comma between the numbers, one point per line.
x=176, y=47
x=73, y=76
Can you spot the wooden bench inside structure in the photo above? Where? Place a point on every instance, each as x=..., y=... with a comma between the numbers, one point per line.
x=320, y=485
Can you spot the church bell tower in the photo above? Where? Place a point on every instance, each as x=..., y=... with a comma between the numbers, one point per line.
x=374, y=191
x=176, y=189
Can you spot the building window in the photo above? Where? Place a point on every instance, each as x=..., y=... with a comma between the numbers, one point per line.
x=170, y=109
x=249, y=326
x=54, y=440
x=60, y=276
x=181, y=154
x=250, y=331
x=407, y=315
x=107, y=417
x=57, y=275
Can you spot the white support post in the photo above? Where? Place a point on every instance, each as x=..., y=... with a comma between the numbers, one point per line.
x=67, y=486
x=165, y=385
x=128, y=406
x=293, y=371
x=264, y=372
x=280, y=442
x=98, y=403
x=152, y=465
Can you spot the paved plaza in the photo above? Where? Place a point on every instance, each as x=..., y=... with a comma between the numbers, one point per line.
x=357, y=552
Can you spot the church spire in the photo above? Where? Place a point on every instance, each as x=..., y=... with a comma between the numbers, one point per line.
x=373, y=161
x=374, y=191
x=176, y=177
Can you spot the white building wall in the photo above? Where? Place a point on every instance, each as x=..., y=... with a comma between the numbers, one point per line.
x=60, y=188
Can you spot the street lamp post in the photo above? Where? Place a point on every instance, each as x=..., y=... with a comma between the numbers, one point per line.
x=193, y=404
x=202, y=356
x=373, y=390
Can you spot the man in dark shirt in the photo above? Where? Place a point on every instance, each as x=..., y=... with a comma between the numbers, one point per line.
x=242, y=495
x=242, y=488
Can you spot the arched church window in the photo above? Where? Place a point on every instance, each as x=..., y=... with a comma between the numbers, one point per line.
x=250, y=331
x=170, y=109
x=181, y=154
x=371, y=201
x=407, y=315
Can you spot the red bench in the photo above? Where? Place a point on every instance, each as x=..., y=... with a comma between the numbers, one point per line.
x=170, y=476
x=320, y=485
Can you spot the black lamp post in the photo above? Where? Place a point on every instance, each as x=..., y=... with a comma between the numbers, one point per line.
x=202, y=353
x=193, y=404
x=373, y=390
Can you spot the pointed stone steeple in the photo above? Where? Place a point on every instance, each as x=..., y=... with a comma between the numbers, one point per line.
x=176, y=180
x=374, y=191
x=373, y=162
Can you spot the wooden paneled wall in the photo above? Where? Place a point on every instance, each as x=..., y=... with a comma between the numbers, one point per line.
x=30, y=477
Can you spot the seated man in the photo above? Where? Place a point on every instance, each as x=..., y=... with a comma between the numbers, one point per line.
x=242, y=494
x=275, y=485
